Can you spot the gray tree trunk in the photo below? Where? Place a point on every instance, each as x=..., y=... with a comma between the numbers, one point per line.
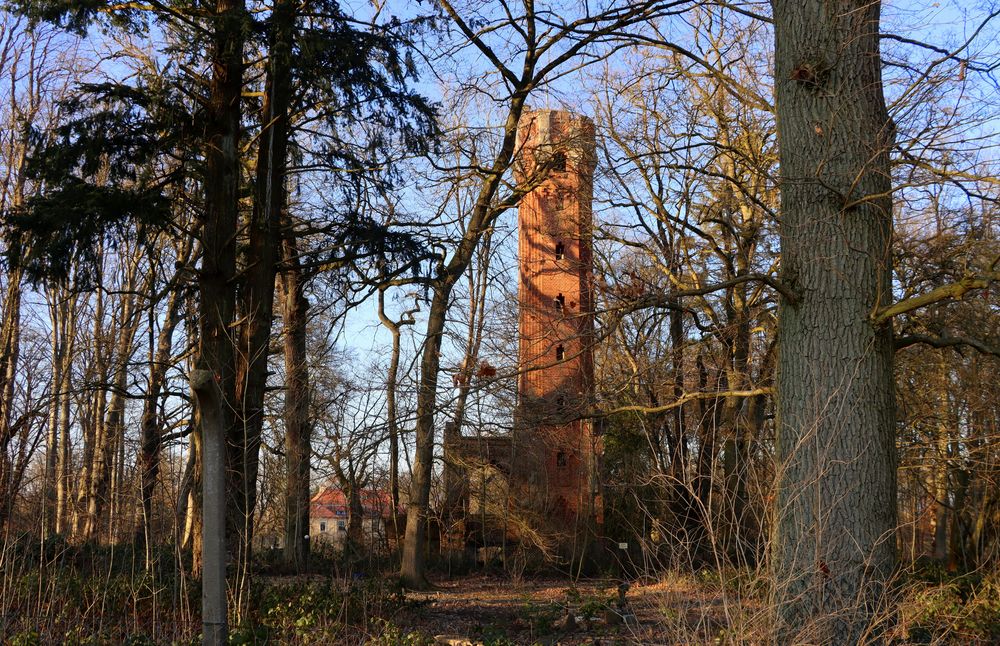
x=835, y=545
x=213, y=580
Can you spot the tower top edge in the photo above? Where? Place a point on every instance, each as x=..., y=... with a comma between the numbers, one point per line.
x=530, y=112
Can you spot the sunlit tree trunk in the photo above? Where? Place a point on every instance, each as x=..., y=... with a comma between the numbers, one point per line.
x=835, y=544
x=413, y=564
x=10, y=343
x=109, y=432
x=391, y=399
x=62, y=314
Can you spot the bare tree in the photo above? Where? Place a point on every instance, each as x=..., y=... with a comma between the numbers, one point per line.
x=544, y=43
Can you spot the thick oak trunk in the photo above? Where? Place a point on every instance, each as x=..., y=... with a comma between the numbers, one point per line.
x=835, y=544
x=413, y=563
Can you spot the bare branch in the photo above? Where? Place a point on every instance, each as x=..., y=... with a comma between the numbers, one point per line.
x=945, y=292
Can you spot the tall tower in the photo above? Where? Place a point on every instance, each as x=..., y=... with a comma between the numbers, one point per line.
x=548, y=464
x=556, y=322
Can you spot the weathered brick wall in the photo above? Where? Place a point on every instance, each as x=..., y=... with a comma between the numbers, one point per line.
x=547, y=466
x=556, y=311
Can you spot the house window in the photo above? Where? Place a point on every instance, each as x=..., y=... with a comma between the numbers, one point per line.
x=341, y=526
x=560, y=251
x=560, y=302
x=322, y=527
x=560, y=353
x=561, y=459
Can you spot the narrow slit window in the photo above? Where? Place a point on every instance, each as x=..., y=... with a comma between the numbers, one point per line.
x=560, y=303
x=559, y=161
x=560, y=353
x=560, y=251
x=561, y=460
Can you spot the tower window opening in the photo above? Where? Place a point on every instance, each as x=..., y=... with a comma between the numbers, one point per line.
x=560, y=303
x=561, y=460
x=560, y=251
x=559, y=161
x=560, y=353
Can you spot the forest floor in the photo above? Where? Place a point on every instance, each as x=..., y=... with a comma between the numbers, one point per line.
x=481, y=609
x=102, y=596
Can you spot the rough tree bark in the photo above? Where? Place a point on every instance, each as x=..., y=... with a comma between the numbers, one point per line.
x=413, y=565
x=216, y=278
x=835, y=545
x=62, y=313
x=298, y=429
x=109, y=432
x=391, y=383
x=391, y=398
x=256, y=296
x=10, y=339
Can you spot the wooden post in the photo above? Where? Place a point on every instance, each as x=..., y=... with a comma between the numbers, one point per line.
x=213, y=477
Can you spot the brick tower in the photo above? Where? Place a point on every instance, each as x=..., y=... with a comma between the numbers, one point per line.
x=556, y=321
x=548, y=464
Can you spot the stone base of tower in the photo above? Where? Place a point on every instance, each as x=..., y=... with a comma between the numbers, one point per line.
x=533, y=490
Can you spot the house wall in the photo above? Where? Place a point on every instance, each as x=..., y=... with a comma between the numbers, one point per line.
x=333, y=531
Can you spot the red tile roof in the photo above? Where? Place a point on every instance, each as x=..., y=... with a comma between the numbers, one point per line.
x=331, y=502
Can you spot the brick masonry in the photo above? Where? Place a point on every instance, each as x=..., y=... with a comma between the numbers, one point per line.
x=550, y=459
x=556, y=322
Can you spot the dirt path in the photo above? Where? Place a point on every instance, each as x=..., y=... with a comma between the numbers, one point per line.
x=495, y=610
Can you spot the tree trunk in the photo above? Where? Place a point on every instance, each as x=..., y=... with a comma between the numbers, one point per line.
x=149, y=425
x=92, y=418
x=110, y=432
x=354, y=548
x=63, y=329
x=834, y=550
x=10, y=339
x=413, y=564
x=256, y=298
x=51, y=477
x=217, y=276
x=392, y=415
x=298, y=429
